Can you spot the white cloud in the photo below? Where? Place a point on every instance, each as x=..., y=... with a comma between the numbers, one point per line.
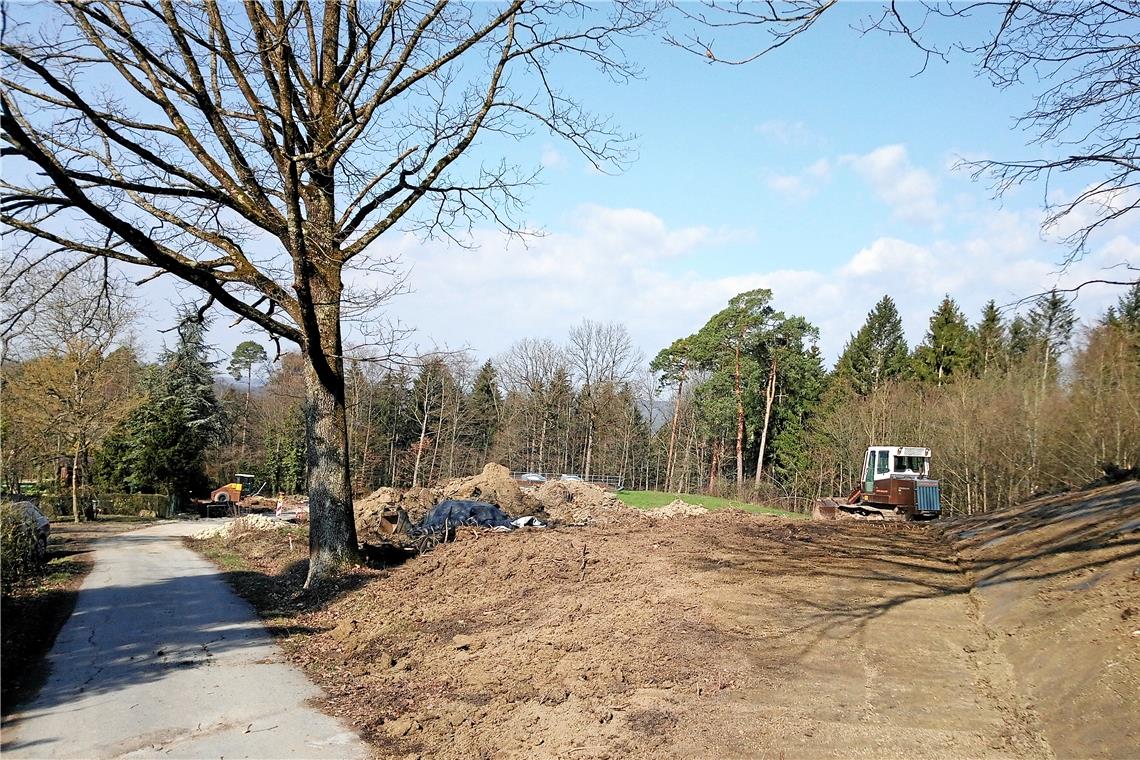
x=803, y=185
x=623, y=265
x=629, y=265
x=911, y=192
x=887, y=256
x=784, y=132
x=608, y=267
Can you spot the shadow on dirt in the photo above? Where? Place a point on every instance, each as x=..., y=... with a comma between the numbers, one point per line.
x=866, y=570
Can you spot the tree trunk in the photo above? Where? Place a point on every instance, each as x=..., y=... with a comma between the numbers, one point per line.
x=75, y=481
x=714, y=465
x=332, y=531
x=739, y=425
x=673, y=431
x=769, y=399
x=684, y=461
x=589, y=447
x=245, y=413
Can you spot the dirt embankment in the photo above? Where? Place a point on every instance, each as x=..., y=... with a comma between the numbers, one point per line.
x=1057, y=582
x=736, y=635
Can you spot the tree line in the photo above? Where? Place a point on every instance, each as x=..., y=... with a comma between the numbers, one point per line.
x=744, y=406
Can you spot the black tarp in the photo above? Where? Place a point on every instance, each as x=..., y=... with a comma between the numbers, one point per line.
x=456, y=512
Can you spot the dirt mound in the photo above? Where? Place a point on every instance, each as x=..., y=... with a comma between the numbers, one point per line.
x=368, y=510
x=575, y=502
x=494, y=485
x=241, y=525
x=677, y=508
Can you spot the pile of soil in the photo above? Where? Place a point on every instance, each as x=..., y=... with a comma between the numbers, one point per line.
x=576, y=502
x=558, y=502
x=677, y=508
x=496, y=486
x=1058, y=575
x=737, y=635
x=367, y=511
x=239, y=526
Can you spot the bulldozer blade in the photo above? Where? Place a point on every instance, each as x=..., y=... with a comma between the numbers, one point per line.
x=826, y=509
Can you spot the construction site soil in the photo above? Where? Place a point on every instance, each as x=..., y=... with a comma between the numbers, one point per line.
x=726, y=634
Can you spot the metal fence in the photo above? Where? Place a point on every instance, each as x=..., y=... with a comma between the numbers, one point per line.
x=614, y=482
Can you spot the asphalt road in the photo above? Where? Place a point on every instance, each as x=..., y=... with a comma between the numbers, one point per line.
x=162, y=659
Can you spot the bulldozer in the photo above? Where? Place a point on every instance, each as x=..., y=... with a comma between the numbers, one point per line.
x=896, y=485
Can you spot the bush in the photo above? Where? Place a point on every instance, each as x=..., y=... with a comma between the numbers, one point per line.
x=59, y=505
x=18, y=556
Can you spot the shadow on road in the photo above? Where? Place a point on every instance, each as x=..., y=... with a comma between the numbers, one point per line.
x=139, y=629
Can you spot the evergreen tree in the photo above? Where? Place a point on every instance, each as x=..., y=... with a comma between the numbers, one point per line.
x=877, y=353
x=673, y=365
x=801, y=385
x=162, y=445
x=245, y=357
x=483, y=406
x=729, y=343
x=945, y=351
x=1051, y=323
x=1128, y=307
x=1020, y=339
x=990, y=348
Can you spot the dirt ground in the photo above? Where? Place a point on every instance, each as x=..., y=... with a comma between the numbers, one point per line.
x=1015, y=634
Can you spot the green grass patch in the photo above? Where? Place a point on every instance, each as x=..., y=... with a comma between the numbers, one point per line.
x=223, y=556
x=654, y=499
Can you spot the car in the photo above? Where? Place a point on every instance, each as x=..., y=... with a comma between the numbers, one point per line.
x=40, y=524
x=533, y=477
x=571, y=477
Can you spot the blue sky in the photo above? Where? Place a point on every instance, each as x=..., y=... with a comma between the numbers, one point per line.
x=823, y=171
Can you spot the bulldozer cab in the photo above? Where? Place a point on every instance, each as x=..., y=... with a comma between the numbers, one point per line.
x=885, y=462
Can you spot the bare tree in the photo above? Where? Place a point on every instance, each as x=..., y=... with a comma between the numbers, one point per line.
x=601, y=354
x=259, y=151
x=528, y=368
x=1080, y=56
x=73, y=383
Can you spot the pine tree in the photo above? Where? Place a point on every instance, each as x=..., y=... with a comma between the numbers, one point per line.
x=673, y=366
x=945, y=351
x=802, y=383
x=990, y=347
x=245, y=357
x=162, y=445
x=1051, y=323
x=877, y=353
x=728, y=344
x=483, y=406
x=1020, y=340
x=1128, y=307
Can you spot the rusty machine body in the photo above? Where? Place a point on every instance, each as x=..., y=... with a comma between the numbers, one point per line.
x=227, y=499
x=896, y=485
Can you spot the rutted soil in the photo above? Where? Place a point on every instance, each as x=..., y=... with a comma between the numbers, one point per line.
x=737, y=635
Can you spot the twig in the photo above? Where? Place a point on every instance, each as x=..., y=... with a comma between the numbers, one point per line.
x=582, y=577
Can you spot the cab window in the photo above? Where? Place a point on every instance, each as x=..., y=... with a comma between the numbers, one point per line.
x=884, y=465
